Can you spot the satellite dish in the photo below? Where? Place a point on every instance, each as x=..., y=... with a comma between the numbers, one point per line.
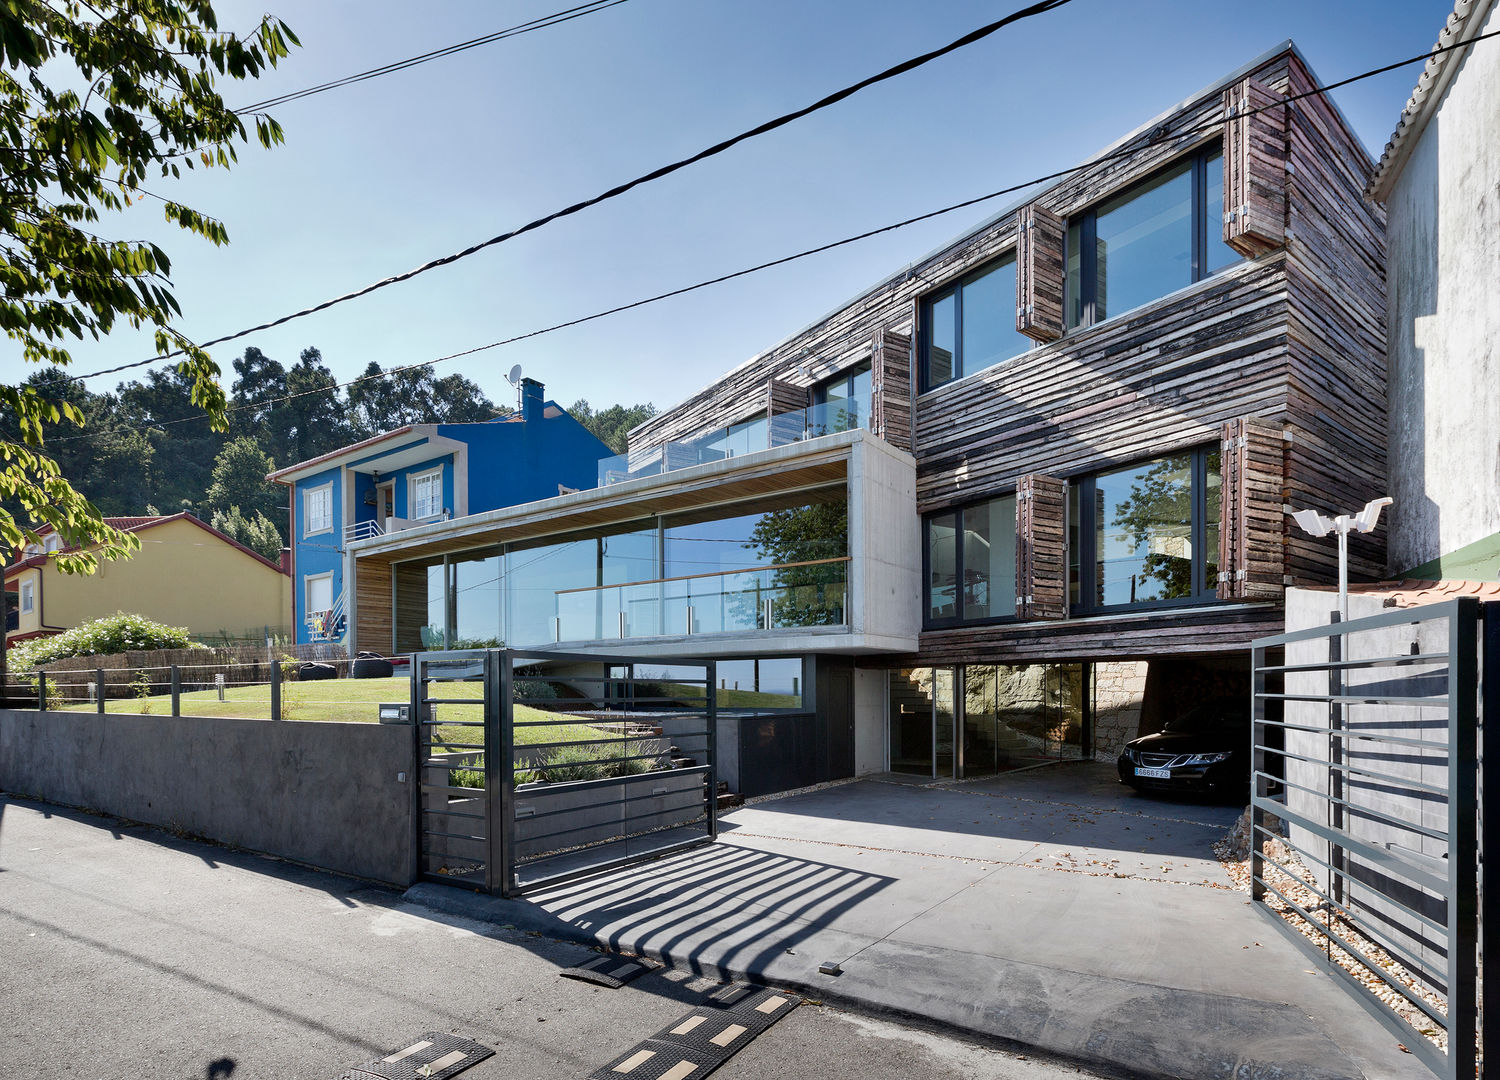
x=514, y=377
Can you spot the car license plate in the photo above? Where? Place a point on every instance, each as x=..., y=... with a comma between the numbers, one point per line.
x=1155, y=774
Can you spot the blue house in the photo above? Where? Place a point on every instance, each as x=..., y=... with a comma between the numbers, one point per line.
x=417, y=475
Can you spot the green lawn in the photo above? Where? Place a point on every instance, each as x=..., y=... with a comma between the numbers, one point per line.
x=354, y=701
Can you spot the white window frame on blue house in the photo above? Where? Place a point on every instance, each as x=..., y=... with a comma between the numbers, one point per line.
x=323, y=493
x=308, y=609
x=432, y=479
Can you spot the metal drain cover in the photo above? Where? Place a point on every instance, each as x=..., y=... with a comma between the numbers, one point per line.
x=610, y=971
x=433, y=1056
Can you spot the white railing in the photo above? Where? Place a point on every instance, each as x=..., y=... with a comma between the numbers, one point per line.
x=327, y=625
x=362, y=530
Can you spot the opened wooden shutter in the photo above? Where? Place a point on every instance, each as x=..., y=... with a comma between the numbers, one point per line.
x=1039, y=273
x=1041, y=548
x=1252, y=554
x=1254, y=168
x=890, y=388
x=786, y=416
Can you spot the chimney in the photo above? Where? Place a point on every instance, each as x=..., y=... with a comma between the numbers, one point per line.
x=531, y=400
x=286, y=561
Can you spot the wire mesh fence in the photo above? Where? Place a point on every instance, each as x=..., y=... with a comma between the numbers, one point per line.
x=230, y=683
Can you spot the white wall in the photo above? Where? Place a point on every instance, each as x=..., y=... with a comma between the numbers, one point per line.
x=1443, y=258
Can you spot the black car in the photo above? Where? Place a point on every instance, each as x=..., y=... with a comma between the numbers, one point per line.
x=1205, y=750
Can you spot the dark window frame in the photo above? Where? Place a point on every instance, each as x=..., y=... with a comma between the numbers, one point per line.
x=1088, y=236
x=955, y=289
x=1203, y=591
x=957, y=619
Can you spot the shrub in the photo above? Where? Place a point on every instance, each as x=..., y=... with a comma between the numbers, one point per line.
x=468, y=777
x=115, y=633
x=573, y=763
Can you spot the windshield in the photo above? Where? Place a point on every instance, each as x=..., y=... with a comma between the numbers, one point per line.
x=1212, y=716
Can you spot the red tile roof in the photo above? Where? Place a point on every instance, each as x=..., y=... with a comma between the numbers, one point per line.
x=1410, y=592
x=137, y=524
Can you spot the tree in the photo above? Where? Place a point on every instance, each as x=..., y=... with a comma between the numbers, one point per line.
x=240, y=483
x=1157, y=517
x=789, y=538
x=381, y=401
x=610, y=426
x=258, y=533
x=95, y=99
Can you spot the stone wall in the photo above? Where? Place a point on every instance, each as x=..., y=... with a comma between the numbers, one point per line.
x=1119, y=693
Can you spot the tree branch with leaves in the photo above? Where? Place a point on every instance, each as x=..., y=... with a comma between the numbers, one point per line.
x=95, y=100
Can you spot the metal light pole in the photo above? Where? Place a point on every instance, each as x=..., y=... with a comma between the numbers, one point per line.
x=1315, y=524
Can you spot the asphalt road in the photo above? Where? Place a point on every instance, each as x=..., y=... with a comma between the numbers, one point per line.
x=127, y=952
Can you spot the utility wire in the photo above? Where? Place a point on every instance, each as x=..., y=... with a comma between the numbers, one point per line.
x=656, y=174
x=1125, y=151
x=540, y=23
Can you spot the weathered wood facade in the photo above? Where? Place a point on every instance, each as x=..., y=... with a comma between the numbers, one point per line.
x=1279, y=357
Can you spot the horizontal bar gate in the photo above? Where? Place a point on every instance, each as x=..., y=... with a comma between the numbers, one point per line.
x=534, y=768
x=1369, y=732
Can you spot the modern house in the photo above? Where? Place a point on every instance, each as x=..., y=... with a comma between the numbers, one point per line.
x=418, y=475
x=1015, y=502
x=186, y=573
x=1437, y=181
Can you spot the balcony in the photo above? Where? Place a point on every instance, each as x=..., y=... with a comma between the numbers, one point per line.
x=782, y=429
x=786, y=596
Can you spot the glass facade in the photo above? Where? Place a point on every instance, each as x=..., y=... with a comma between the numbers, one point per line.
x=981, y=719
x=770, y=563
x=972, y=325
x=971, y=563
x=1147, y=533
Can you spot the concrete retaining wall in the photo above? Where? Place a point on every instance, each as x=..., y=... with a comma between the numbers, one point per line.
x=321, y=793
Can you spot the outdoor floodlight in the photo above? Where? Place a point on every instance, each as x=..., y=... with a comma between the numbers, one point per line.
x=1315, y=524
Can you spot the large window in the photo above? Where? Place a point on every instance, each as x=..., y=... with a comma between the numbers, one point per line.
x=28, y=597
x=1157, y=237
x=971, y=563
x=1145, y=534
x=971, y=325
x=317, y=510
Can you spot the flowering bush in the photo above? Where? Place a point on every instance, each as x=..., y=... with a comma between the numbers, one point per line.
x=115, y=633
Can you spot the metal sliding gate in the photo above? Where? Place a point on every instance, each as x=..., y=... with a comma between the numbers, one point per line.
x=533, y=768
x=1368, y=734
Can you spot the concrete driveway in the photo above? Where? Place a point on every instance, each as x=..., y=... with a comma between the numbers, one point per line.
x=1051, y=909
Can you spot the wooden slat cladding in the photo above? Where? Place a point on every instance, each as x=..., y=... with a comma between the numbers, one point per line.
x=1126, y=390
x=372, y=628
x=1039, y=273
x=1336, y=395
x=1255, y=154
x=1184, y=631
x=890, y=388
x=785, y=411
x=1041, y=548
x=1252, y=556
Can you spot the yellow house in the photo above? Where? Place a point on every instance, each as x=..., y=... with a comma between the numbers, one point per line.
x=186, y=573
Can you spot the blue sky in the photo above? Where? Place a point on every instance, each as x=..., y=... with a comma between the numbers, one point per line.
x=384, y=175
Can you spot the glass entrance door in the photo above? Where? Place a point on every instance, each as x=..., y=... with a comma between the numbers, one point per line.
x=923, y=708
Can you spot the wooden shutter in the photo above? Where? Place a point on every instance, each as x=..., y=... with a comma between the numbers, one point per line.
x=1252, y=555
x=1041, y=549
x=890, y=388
x=785, y=415
x=1254, y=169
x=1039, y=273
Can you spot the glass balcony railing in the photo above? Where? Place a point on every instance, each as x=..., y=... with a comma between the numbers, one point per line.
x=825, y=418
x=736, y=601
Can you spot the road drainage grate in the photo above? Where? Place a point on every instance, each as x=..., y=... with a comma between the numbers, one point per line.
x=610, y=971
x=701, y=1041
x=433, y=1056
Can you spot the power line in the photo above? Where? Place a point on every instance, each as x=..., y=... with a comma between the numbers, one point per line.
x=1125, y=151
x=1038, y=8
x=540, y=23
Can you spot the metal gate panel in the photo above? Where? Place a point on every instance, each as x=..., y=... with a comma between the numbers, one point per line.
x=1370, y=747
x=452, y=731
x=510, y=799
